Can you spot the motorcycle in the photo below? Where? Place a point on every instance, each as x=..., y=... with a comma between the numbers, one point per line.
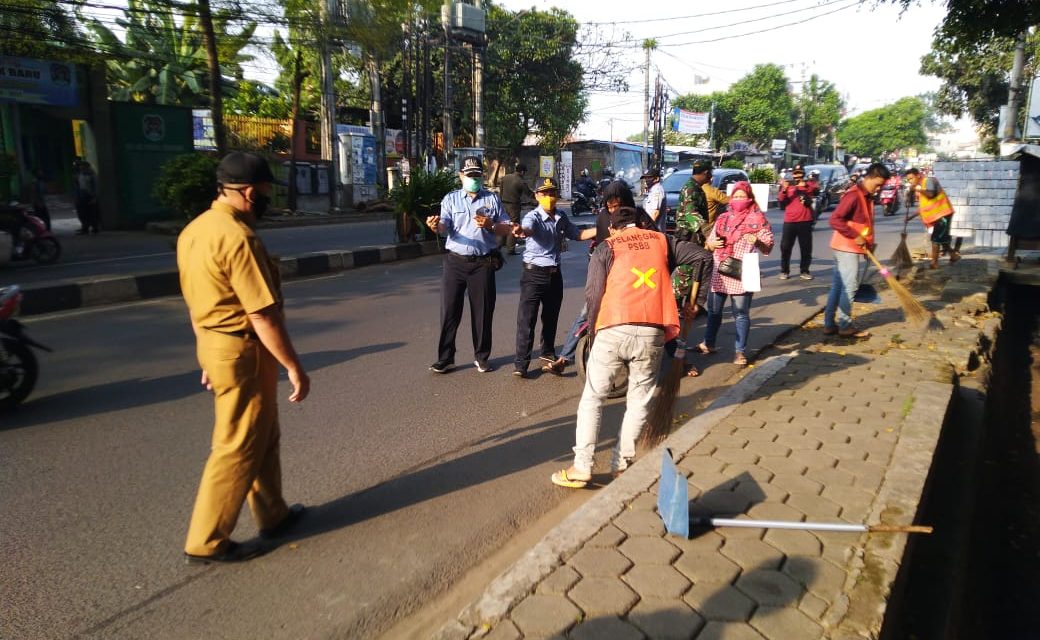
x=30, y=236
x=888, y=197
x=18, y=366
x=580, y=204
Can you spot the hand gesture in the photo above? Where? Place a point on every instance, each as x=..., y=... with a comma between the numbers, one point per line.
x=432, y=222
x=749, y=237
x=518, y=231
x=717, y=243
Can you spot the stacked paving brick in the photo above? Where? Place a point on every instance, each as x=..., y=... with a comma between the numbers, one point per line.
x=982, y=194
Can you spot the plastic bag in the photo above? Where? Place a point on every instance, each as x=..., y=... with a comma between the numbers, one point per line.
x=750, y=277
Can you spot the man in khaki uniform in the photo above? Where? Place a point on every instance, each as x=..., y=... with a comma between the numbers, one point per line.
x=234, y=299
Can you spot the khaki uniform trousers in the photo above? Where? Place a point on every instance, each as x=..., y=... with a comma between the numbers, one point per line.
x=243, y=462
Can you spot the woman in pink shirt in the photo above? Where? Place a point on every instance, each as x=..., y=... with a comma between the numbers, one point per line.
x=741, y=229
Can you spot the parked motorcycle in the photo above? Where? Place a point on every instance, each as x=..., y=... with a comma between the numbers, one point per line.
x=30, y=236
x=18, y=366
x=888, y=196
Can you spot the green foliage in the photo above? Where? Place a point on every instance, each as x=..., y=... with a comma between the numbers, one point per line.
x=160, y=57
x=732, y=164
x=187, y=184
x=975, y=77
x=532, y=83
x=762, y=175
x=761, y=104
x=42, y=29
x=981, y=20
x=257, y=99
x=819, y=107
x=896, y=126
x=420, y=198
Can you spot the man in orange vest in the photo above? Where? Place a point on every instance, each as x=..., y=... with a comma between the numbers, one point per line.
x=630, y=299
x=853, y=224
x=937, y=215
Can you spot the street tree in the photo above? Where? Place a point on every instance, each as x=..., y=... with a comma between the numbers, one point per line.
x=42, y=29
x=533, y=81
x=258, y=99
x=900, y=125
x=980, y=20
x=818, y=112
x=762, y=105
x=158, y=55
x=975, y=77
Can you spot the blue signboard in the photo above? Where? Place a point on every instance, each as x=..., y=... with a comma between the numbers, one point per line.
x=31, y=81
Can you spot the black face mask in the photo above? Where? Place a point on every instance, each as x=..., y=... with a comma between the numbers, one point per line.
x=259, y=205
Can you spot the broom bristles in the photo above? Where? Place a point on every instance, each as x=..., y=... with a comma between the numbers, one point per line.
x=913, y=310
x=901, y=258
x=659, y=422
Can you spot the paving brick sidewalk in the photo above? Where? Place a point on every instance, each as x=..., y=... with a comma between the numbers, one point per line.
x=835, y=430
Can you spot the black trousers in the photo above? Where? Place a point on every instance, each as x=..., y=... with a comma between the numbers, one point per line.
x=802, y=231
x=462, y=279
x=509, y=241
x=537, y=287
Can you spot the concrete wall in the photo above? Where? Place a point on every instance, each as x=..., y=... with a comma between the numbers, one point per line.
x=982, y=194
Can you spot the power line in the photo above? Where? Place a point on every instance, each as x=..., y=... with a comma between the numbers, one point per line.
x=696, y=15
x=770, y=17
x=774, y=28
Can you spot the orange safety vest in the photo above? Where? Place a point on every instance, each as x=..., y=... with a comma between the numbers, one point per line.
x=841, y=243
x=932, y=209
x=639, y=288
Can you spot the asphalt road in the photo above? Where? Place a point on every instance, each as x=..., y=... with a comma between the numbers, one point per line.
x=413, y=478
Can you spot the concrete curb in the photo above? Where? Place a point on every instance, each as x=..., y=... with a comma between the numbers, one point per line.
x=568, y=537
x=62, y=296
x=174, y=227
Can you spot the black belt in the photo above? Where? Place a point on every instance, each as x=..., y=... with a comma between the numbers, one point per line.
x=534, y=267
x=469, y=258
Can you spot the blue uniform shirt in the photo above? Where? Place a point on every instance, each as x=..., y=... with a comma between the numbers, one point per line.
x=545, y=237
x=458, y=213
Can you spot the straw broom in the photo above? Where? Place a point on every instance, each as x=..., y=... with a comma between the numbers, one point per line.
x=659, y=422
x=901, y=258
x=912, y=309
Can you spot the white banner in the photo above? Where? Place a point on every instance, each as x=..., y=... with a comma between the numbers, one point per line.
x=566, y=174
x=1033, y=113
x=689, y=121
x=779, y=145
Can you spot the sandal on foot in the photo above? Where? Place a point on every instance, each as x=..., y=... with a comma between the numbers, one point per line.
x=853, y=332
x=703, y=348
x=560, y=478
x=740, y=359
x=692, y=372
x=830, y=331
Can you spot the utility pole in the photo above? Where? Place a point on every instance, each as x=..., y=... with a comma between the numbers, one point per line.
x=376, y=117
x=478, y=96
x=449, y=132
x=409, y=52
x=711, y=128
x=648, y=45
x=298, y=75
x=1014, y=92
x=215, y=90
x=328, y=100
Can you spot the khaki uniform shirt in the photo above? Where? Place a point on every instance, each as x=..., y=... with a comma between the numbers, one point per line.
x=225, y=271
x=716, y=198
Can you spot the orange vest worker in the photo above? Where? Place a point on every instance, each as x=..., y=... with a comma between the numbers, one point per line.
x=639, y=287
x=933, y=209
x=842, y=243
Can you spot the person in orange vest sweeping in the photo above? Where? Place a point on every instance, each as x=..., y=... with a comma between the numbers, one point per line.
x=634, y=313
x=937, y=215
x=853, y=224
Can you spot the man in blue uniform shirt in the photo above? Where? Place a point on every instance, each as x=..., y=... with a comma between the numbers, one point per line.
x=541, y=282
x=470, y=217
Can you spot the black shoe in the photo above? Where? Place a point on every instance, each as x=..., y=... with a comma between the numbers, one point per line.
x=519, y=373
x=442, y=366
x=296, y=512
x=233, y=552
x=483, y=366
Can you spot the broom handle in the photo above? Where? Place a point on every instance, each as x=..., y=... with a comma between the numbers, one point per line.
x=810, y=526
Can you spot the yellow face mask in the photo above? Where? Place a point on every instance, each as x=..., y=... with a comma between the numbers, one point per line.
x=547, y=200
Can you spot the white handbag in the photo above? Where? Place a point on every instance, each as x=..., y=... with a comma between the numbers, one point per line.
x=750, y=277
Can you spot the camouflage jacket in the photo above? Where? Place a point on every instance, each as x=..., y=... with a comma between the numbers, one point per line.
x=692, y=212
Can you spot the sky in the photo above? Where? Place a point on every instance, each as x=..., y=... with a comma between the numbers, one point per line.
x=871, y=54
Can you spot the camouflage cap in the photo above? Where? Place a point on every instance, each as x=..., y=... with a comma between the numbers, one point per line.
x=700, y=166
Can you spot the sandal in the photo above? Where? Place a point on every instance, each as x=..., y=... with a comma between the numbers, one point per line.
x=692, y=372
x=703, y=348
x=740, y=359
x=854, y=333
x=560, y=478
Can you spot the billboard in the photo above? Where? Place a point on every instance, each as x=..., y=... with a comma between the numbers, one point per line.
x=31, y=81
x=689, y=121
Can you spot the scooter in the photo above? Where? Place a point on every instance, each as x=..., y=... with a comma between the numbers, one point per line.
x=580, y=204
x=888, y=196
x=33, y=239
x=18, y=366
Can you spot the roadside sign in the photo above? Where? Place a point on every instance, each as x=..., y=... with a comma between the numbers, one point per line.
x=779, y=145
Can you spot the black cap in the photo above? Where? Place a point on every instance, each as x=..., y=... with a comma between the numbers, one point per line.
x=700, y=166
x=471, y=166
x=652, y=173
x=244, y=168
x=546, y=184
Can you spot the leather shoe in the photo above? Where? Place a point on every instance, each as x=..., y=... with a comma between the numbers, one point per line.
x=296, y=512
x=233, y=552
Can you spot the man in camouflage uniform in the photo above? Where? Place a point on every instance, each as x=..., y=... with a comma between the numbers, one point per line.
x=691, y=222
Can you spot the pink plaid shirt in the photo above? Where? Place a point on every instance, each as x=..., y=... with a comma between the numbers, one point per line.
x=728, y=225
